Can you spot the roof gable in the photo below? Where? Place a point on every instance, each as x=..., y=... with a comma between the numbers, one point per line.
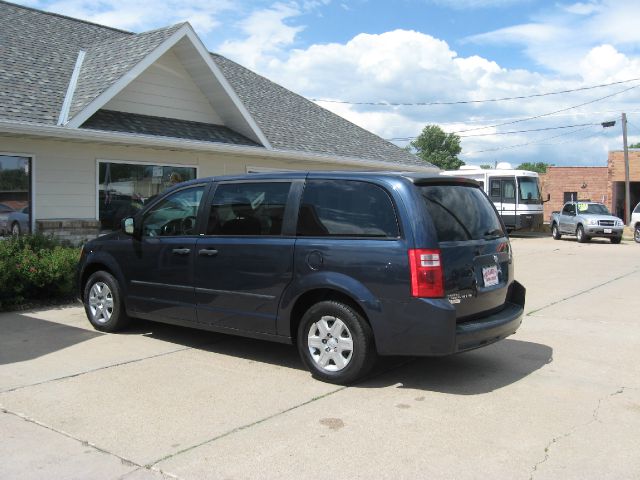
x=111, y=66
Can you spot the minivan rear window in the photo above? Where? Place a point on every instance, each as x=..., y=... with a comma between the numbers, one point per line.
x=461, y=212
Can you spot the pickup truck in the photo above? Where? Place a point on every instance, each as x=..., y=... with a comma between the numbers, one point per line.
x=586, y=220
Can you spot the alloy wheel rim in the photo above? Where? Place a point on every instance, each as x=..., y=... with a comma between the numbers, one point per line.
x=330, y=344
x=100, y=302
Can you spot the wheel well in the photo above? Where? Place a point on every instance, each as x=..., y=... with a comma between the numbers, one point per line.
x=90, y=270
x=314, y=296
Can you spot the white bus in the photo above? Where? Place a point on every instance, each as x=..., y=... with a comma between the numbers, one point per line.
x=515, y=193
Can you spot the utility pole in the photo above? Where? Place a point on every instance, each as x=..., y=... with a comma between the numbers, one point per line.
x=627, y=190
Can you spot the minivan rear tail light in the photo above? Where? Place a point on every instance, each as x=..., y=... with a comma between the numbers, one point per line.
x=427, y=278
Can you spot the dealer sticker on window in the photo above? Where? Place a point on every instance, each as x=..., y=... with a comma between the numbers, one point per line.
x=490, y=275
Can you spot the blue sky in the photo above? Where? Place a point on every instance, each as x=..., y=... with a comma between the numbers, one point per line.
x=419, y=51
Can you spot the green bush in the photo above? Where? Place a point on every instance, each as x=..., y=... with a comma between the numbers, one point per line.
x=36, y=268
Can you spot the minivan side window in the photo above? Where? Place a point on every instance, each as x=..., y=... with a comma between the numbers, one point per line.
x=346, y=208
x=175, y=215
x=239, y=209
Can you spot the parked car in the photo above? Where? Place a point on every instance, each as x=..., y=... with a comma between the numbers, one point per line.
x=346, y=265
x=586, y=220
x=18, y=221
x=5, y=210
x=635, y=223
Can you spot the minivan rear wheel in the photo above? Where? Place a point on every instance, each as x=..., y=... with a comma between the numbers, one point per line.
x=103, y=303
x=336, y=343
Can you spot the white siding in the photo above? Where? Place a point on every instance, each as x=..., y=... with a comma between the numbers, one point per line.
x=66, y=178
x=165, y=89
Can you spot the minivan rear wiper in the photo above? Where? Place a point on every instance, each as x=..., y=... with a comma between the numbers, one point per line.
x=493, y=234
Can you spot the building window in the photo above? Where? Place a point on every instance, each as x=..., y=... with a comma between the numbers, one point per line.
x=124, y=188
x=15, y=181
x=570, y=196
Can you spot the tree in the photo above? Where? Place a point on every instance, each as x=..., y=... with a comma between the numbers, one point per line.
x=540, y=167
x=635, y=145
x=436, y=146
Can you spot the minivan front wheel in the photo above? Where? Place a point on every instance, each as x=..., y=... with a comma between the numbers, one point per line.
x=103, y=303
x=336, y=343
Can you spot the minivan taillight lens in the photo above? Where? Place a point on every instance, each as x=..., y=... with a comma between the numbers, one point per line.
x=427, y=278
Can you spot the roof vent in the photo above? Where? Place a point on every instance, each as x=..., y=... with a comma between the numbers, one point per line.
x=504, y=166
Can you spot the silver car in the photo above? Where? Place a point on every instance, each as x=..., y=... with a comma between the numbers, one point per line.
x=5, y=210
x=18, y=221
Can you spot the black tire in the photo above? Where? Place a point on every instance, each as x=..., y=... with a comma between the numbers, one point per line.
x=356, y=362
x=103, y=303
x=636, y=233
x=555, y=232
x=581, y=236
x=616, y=240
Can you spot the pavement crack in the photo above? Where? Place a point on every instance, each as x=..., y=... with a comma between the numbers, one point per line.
x=119, y=364
x=86, y=443
x=582, y=292
x=153, y=465
x=594, y=418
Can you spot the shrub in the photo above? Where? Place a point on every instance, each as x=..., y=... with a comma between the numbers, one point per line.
x=36, y=268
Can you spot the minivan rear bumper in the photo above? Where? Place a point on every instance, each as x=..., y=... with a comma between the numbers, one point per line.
x=476, y=334
x=429, y=327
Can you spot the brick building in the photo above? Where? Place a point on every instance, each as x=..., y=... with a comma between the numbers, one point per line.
x=599, y=184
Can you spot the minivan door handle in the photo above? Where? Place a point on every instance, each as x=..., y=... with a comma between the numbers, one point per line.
x=205, y=252
x=181, y=251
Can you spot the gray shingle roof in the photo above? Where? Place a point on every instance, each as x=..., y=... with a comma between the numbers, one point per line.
x=292, y=122
x=38, y=52
x=164, y=127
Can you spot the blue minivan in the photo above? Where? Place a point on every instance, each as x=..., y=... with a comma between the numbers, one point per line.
x=346, y=265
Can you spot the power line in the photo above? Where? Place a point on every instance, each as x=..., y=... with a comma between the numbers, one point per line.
x=548, y=114
x=465, y=102
x=508, y=133
x=533, y=142
x=530, y=130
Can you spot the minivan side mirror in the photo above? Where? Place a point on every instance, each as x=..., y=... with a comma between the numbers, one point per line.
x=128, y=225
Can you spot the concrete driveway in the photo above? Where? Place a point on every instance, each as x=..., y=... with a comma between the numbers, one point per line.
x=560, y=399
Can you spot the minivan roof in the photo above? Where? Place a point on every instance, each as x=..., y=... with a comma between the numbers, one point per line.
x=413, y=177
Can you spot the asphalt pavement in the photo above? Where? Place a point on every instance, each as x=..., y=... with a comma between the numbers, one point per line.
x=558, y=400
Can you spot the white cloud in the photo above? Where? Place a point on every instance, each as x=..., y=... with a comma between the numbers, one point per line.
x=560, y=37
x=409, y=66
x=473, y=4
x=265, y=34
x=141, y=15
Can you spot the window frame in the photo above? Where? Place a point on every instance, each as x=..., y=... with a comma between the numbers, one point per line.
x=392, y=200
x=134, y=162
x=289, y=216
x=141, y=216
x=32, y=184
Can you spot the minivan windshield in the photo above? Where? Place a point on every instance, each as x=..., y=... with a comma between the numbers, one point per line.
x=461, y=212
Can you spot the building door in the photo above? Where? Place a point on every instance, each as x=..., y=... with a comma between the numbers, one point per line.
x=15, y=194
